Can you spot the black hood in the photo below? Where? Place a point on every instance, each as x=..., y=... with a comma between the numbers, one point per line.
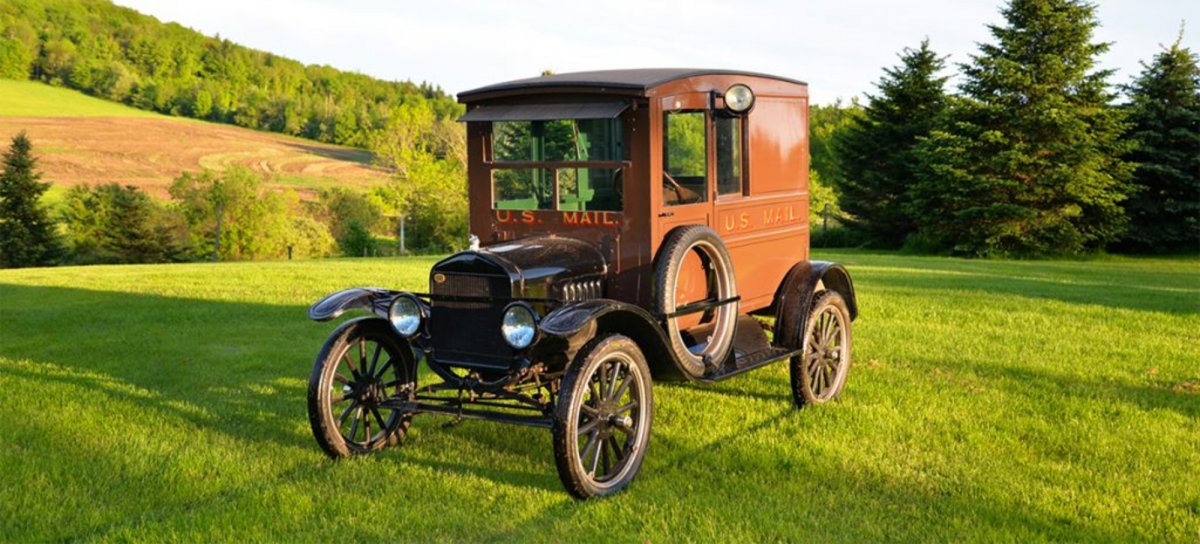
x=537, y=266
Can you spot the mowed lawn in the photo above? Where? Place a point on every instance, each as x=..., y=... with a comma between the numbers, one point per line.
x=988, y=401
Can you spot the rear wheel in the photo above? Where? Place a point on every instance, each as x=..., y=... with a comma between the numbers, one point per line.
x=819, y=373
x=602, y=419
x=361, y=365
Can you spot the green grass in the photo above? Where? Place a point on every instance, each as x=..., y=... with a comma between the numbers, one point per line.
x=989, y=401
x=36, y=99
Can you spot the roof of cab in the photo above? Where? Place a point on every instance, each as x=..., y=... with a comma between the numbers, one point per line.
x=636, y=79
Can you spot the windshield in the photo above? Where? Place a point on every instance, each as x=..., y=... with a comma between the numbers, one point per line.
x=581, y=158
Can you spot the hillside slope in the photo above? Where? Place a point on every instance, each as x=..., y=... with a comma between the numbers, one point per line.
x=82, y=139
x=119, y=54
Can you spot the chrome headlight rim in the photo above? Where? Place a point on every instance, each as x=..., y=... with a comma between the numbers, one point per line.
x=739, y=98
x=409, y=323
x=528, y=334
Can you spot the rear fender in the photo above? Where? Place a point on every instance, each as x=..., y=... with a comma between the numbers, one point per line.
x=569, y=327
x=795, y=298
x=371, y=299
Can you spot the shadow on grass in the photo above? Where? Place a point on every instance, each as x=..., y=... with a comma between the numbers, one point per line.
x=239, y=369
x=821, y=514
x=1114, y=292
x=1042, y=384
x=336, y=153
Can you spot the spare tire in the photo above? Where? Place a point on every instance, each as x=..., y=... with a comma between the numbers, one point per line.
x=721, y=285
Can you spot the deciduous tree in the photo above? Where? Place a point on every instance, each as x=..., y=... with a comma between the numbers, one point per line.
x=230, y=214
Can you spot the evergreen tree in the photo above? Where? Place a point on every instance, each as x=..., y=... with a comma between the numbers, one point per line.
x=114, y=224
x=875, y=154
x=1165, y=112
x=136, y=234
x=27, y=235
x=1029, y=163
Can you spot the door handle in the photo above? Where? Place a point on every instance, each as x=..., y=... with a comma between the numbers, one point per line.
x=666, y=214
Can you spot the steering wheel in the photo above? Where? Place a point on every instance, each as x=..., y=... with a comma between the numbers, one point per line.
x=675, y=185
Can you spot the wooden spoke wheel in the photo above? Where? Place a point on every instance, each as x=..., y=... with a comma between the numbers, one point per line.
x=819, y=373
x=602, y=419
x=363, y=364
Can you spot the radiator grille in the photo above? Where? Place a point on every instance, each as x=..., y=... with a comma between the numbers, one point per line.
x=468, y=332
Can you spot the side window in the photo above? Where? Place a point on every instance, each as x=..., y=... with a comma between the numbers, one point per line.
x=685, y=159
x=729, y=154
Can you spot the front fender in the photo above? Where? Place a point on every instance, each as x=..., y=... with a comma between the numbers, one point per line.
x=573, y=324
x=371, y=299
x=571, y=318
x=795, y=297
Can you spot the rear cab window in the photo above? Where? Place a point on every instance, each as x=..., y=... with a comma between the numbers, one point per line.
x=561, y=164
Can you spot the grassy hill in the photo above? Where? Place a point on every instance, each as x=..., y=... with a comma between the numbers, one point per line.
x=34, y=99
x=989, y=401
x=115, y=52
x=82, y=139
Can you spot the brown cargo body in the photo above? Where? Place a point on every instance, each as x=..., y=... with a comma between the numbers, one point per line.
x=765, y=226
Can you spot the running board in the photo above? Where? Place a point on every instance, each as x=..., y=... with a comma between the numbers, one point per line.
x=747, y=362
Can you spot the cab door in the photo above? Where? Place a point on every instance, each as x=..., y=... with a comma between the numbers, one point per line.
x=686, y=186
x=685, y=180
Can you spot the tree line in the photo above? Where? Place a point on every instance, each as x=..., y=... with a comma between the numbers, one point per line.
x=1032, y=156
x=119, y=54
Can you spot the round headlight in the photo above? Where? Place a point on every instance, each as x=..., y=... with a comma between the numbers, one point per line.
x=739, y=98
x=519, y=326
x=405, y=315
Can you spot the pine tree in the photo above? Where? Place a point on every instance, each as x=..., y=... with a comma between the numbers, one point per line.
x=1029, y=163
x=111, y=223
x=27, y=235
x=134, y=233
x=1164, y=211
x=875, y=154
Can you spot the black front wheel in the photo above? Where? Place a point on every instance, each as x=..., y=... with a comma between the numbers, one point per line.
x=602, y=419
x=361, y=365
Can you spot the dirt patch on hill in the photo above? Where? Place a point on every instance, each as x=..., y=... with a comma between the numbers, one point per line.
x=150, y=153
